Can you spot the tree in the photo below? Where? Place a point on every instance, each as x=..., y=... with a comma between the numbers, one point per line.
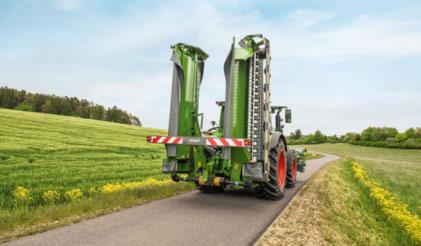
x=38, y=102
x=115, y=114
x=7, y=98
x=417, y=134
x=390, y=132
x=319, y=137
x=135, y=120
x=410, y=133
x=47, y=107
x=298, y=134
x=292, y=135
x=97, y=112
x=333, y=139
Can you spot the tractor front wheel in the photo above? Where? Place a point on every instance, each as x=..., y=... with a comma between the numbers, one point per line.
x=291, y=168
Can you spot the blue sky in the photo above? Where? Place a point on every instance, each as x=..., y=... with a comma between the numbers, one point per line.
x=340, y=65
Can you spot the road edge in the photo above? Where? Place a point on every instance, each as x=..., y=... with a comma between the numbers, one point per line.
x=295, y=196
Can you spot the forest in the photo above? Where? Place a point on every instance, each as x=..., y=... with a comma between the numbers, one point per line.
x=62, y=105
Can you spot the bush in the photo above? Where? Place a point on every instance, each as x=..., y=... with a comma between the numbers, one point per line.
x=24, y=107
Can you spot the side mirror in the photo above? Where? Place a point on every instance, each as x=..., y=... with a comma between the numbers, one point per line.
x=288, y=115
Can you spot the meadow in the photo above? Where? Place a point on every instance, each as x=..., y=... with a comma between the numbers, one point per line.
x=51, y=166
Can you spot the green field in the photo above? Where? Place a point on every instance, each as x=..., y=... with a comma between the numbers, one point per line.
x=336, y=208
x=42, y=152
x=397, y=170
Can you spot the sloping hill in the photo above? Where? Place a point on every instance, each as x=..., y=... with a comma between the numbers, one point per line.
x=51, y=165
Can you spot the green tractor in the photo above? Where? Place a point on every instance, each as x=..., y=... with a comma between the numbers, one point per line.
x=244, y=151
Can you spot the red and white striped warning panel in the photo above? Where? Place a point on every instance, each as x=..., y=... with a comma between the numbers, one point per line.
x=223, y=142
x=164, y=140
x=228, y=142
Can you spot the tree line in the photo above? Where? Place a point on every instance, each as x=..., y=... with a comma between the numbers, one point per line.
x=71, y=106
x=387, y=137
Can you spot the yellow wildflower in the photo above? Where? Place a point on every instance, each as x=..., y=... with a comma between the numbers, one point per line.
x=149, y=182
x=73, y=194
x=50, y=196
x=22, y=194
x=389, y=204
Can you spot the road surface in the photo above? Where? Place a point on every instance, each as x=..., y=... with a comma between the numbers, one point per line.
x=193, y=218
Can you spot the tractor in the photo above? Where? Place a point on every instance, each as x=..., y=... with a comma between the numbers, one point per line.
x=244, y=150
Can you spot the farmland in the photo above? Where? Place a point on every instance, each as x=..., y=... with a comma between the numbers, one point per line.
x=370, y=197
x=54, y=168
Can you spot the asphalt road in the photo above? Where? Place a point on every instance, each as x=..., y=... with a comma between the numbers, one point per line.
x=193, y=218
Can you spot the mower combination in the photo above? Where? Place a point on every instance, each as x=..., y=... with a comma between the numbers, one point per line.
x=244, y=151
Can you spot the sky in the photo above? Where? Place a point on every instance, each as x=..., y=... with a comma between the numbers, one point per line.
x=341, y=66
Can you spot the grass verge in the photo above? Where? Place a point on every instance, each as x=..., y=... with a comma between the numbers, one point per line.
x=396, y=170
x=24, y=220
x=336, y=208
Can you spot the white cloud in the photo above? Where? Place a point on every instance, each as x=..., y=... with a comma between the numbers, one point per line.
x=364, y=36
x=305, y=52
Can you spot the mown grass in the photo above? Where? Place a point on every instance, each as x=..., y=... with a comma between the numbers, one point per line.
x=41, y=152
x=313, y=156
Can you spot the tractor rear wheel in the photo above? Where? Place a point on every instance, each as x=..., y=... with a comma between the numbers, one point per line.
x=291, y=168
x=275, y=188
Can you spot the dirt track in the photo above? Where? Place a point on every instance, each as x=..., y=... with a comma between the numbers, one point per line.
x=193, y=218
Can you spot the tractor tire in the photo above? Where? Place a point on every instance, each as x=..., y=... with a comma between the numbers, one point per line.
x=291, y=168
x=274, y=189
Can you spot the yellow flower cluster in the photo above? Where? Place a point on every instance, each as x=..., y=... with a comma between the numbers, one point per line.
x=22, y=194
x=117, y=187
x=50, y=196
x=73, y=194
x=389, y=204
